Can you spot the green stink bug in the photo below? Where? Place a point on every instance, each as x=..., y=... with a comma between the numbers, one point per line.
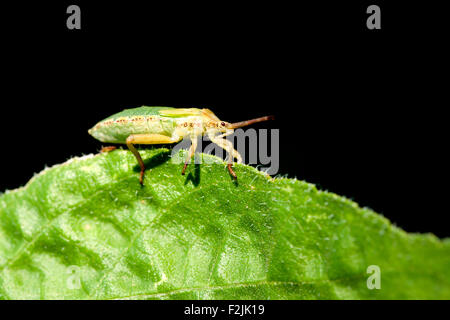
x=160, y=125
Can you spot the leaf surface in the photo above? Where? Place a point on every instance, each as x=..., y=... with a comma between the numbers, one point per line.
x=86, y=229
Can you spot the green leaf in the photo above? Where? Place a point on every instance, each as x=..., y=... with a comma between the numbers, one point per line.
x=86, y=229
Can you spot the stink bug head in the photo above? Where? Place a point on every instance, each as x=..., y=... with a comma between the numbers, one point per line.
x=224, y=126
x=218, y=126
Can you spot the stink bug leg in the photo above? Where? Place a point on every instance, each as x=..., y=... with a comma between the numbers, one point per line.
x=190, y=154
x=146, y=139
x=227, y=146
x=108, y=149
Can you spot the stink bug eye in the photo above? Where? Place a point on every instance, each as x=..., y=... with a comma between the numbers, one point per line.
x=222, y=124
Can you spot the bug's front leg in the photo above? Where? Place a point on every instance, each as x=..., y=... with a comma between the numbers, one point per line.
x=190, y=154
x=227, y=146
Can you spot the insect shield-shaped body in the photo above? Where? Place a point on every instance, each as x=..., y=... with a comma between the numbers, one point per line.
x=161, y=125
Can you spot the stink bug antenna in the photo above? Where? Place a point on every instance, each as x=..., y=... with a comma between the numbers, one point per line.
x=249, y=122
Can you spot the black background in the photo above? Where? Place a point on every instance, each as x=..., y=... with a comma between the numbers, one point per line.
x=360, y=112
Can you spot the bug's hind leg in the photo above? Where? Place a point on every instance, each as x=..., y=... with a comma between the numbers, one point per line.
x=190, y=154
x=146, y=139
x=108, y=149
x=139, y=159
